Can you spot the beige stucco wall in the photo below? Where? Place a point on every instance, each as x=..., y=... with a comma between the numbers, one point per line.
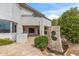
x=6, y=11
x=31, y=20
x=39, y=21
x=35, y=21
x=12, y=11
x=25, y=12
x=46, y=22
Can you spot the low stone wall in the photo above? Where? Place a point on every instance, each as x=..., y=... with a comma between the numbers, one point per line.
x=12, y=36
x=19, y=38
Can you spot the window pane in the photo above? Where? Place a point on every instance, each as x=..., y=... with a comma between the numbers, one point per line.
x=4, y=26
x=31, y=30
x=45, y=30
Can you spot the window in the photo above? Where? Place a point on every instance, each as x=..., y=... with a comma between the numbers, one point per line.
x=31, y=30
x=4, y=26
x=45, y=30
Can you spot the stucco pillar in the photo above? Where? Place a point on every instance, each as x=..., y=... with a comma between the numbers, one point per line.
x=10, y=27
x=19, y=29
x=41, y=28
x=21, y=37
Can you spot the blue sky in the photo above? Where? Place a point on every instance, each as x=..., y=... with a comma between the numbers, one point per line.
x=53, y=10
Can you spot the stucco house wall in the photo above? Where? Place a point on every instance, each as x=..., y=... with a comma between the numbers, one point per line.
x=6, y=11
x=46, y=22
x=28, y=19
x=25, y=12
x=14, y=12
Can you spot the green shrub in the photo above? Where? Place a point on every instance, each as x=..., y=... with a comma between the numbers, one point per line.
x=41, y=42
x=69, y=23
x=5, y=41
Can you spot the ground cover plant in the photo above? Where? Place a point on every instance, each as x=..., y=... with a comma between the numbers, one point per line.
x=5, y=41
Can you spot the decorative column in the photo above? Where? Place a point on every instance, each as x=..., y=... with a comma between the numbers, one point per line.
x=10, y=27
x=41, y=28
x=19, y=29
x=21, y=37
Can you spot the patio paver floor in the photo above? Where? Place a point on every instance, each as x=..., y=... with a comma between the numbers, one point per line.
x=18, y=49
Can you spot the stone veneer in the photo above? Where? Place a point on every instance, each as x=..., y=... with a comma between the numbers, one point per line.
x=55, y=45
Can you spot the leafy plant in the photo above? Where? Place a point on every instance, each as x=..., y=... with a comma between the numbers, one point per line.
x=41, y=42
x=69, y=22
x=54, y=22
